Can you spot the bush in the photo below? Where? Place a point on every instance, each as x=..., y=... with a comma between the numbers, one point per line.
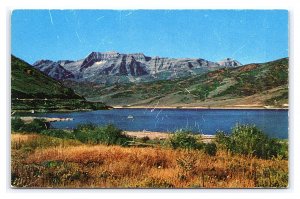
x=185, y=140
x=108, y=134
x=83, y=132
x=222, y=138
x=284, y=149
x=210, y=149
x=86, y=127
x=17, y=124
x=145, y=139
x=59, y=133
x=36, y=126
x=249, y=140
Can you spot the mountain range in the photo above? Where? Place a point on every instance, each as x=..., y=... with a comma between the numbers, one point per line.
x=114, y=67
x=254, y=85
x=136, y=80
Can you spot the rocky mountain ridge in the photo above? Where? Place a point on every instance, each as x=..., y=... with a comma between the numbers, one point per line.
x=114, y=67
x=258, y=85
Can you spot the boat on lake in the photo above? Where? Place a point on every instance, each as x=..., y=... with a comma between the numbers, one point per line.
x=130, y=117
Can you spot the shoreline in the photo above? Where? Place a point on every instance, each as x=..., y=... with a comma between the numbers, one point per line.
x=241, y=107
x=152, y=135
x=28, y=119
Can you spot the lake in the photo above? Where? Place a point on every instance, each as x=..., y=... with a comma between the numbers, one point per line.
x=206, y=121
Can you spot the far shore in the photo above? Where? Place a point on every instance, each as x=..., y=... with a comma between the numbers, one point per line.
x=236, y=107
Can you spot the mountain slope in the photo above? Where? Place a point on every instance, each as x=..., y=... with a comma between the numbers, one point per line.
x=28, y=82
x=114, y=67
x=32, y=90
x=250, y=85
x=53, y=69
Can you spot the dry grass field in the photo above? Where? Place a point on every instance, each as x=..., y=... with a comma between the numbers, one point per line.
x=48, y=162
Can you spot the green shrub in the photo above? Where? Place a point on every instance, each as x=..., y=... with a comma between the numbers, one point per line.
x=59, y=133
x=36, y=126
x=223, y=139
x=86, y=127
x=83, y=132
x=210, y=149
x=108, y=134
x=145, y=139
x=185, y=140
x=249, y=140
x=284, y=149
x=17, y=124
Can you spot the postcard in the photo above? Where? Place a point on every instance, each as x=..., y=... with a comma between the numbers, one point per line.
x=149, y=99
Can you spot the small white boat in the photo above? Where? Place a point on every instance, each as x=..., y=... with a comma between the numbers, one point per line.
x=130, y=117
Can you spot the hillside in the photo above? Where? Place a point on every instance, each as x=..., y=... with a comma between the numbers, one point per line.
x=30, y=89
x=252, y=85
x=28, y=82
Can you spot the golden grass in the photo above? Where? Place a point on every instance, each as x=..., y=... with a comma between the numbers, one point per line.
x=100, y=166
x=23, y=137
x=37, y=141
x=86, y=153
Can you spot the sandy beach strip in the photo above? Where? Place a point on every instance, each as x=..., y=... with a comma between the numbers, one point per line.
x=47, y=119
x=162, y=135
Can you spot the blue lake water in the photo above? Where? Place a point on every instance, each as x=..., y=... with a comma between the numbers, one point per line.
x=206, y=121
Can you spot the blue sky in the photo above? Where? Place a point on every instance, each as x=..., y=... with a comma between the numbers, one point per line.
x=246, y=35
